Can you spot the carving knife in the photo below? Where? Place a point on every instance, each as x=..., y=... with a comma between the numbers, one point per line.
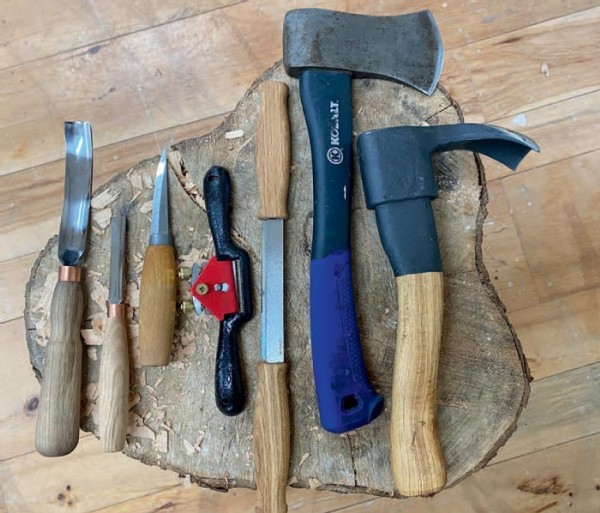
x=271, y=415
x=114, y=364
x=159, y=287
x=57, y=428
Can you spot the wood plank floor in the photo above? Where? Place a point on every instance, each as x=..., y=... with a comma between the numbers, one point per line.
x=150, y=73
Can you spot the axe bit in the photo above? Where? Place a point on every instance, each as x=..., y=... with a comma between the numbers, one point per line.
x=399, y=183
x=325, y=50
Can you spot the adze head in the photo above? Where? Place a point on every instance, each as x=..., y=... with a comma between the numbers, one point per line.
x=405, y=48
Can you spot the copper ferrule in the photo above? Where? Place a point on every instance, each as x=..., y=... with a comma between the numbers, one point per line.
x=69, y=273
x=117, y=310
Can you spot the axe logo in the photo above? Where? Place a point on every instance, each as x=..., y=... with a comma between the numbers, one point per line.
x=335, y=155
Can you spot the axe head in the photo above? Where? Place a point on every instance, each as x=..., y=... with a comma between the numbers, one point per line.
x=405, y=48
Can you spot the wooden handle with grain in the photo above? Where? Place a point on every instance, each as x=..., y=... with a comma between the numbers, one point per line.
x=158, y=295
x=416, y=455
x=57, y=428
x=271, y=438
x=272, y=157
x=114, y=384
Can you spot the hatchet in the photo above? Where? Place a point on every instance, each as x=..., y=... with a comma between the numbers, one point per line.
x=399, y=183
x=325, y=50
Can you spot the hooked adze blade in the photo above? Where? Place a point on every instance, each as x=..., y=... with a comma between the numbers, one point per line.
x=406, y=48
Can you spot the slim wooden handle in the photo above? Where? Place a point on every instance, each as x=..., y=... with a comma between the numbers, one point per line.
x=57, y=429
x=158, y=294
x=271, y=438
x=272, y=157
x=114, y=385
x=416, y=455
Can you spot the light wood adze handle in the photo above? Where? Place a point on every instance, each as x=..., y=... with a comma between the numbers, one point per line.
x=416, y=455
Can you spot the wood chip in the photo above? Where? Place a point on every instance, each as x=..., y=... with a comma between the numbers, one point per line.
x=292, y=480
x=314, y=483
x=102, y=218
x=92, y=353
x=146, y=208
x=189, y=448
x=161, y=444
x=303, y=459
x=105, y=198
x=234, y=134
x=187, y=481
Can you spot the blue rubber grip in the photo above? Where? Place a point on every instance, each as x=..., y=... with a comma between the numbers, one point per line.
x=345, y=397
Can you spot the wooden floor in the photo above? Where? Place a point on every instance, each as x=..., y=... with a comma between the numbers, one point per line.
x=148, y=73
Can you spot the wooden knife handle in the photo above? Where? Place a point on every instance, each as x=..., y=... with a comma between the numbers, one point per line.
x=57, y=429
x=416, y=455
x=114, y=384
x=158, y=294
x=272, y=157
x=271, y=438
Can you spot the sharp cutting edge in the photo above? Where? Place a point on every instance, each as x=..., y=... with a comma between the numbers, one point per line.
x=57, y=427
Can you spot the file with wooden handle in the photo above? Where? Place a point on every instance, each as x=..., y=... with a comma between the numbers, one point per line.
x=271, y=414
x=57, y=427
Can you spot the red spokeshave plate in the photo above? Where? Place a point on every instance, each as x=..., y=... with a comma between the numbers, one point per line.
x=220, y=298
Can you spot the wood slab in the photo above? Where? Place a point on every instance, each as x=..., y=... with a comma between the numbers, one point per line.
x=174, y=423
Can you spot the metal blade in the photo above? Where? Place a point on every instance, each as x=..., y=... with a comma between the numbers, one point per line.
x=78, y=191
x=117, y=257
x=406, y=48
x=271, y=342
x=159, y=231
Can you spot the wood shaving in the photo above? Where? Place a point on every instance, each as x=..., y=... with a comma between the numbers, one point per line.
x=160, y=414
x=105, y=198
x=92, y=353
x=158, y=381
x=102, y=218
x=43, y=304
x=234, y=134
x=189, y=448
x=314, y=483
x=292, y=480
x=132, y=294
x=91, y=391
x=161, y=443
x=99, y=293
x=136, y=182
x=303, y=459
x=92, y=337
x=146, y=208
x=166, y=426
x=147, y=179
x=136, y=427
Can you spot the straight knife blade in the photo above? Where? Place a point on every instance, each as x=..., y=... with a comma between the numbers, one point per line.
x=272, y=340
x=78, y=191
x=159, y=229
x=117, y=257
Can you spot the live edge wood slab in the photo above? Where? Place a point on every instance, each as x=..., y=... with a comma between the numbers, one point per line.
x=173, y=420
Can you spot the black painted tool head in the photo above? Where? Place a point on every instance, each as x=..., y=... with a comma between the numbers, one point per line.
x=399, y=182
x=405, y=48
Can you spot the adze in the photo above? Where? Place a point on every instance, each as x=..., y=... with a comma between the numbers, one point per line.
x=325, y=50
x=399, y=183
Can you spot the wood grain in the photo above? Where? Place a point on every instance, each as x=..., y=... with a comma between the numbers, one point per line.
x=158, y=306
x=114, y=385
x=272, y=154
x=416, y=455
x=57, y=429
x=271, y=435
x=13, y=276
